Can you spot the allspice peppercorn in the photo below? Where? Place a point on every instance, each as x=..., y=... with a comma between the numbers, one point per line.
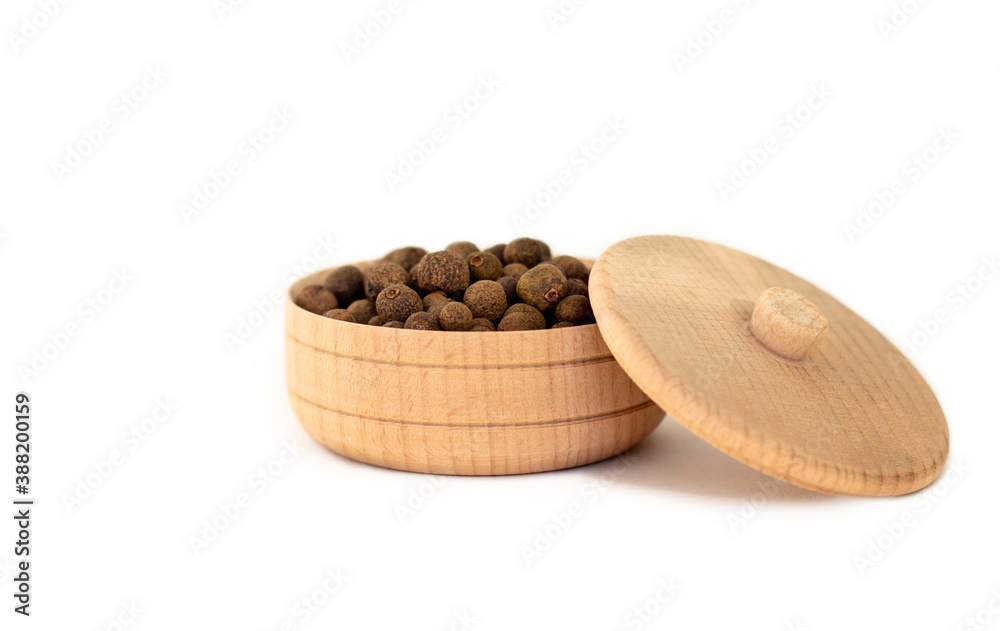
x=571, y=267
x=482, y=324
x=515, y=286
x=572, y=309
x=347, y=283
x=363, y=310
x=524, y=251
x=422, y=321
x=406, y=257
x=521, y=321
x=484, y=266
x=436, y=309
x=435, y=298
x=544, y=251
x=576, y=287
x=542, y=286
x=497, y=251
x=521, y=308
x=383, y=274
x=486, y=299
x=398, y=302
x=462, y=248
x=414, y=284
x=443, y=271
x=340, y=314
x=316, y=298
x=455, y=316
x=509, y=284
x=514, y=270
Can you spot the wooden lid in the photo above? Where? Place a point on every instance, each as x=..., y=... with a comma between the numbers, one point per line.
x=767, y=367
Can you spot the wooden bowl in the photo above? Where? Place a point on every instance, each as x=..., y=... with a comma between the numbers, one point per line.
x=460, y=402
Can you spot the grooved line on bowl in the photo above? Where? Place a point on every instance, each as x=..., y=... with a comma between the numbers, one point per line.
x=599, y=359
x=553, y=423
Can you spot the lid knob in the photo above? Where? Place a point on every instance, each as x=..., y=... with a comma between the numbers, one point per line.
x=786, y=323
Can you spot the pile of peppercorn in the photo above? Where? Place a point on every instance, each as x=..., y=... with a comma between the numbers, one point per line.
x=517, y=286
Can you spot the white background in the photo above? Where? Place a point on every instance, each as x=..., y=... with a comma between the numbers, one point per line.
x=673, y=515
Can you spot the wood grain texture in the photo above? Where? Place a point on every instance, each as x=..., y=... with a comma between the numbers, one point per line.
x=459, y=402
x=853, y=417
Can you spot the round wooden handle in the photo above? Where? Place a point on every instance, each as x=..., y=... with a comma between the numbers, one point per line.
x=786, y=323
